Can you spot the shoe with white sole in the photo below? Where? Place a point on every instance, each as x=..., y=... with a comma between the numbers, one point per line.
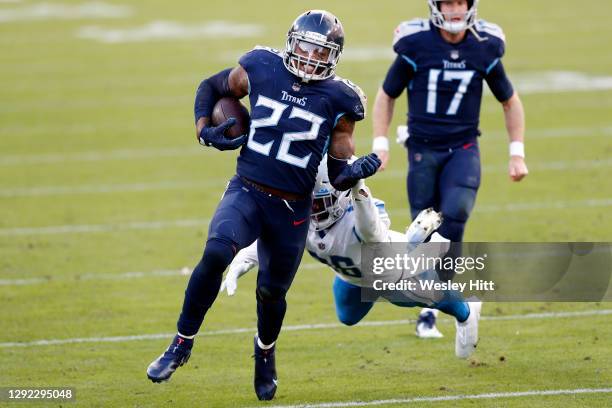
x=466, y=338
x=426, y=326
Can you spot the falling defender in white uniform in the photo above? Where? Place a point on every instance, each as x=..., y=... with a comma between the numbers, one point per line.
x=340, y=223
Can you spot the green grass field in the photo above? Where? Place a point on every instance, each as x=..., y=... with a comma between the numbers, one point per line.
x=100, y=175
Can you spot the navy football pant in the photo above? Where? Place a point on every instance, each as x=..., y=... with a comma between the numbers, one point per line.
x=446, y=180
x=350, y=309
x=244, y=215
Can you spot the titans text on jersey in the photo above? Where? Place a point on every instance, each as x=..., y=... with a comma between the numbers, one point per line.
x=291, y=122
x=444, y=80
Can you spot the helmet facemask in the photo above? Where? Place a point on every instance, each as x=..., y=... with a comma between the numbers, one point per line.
x=444, y=20
x=310, y=56
x=328, y=206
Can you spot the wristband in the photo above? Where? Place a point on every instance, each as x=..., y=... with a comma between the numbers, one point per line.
x=380, y=143
x=517, y=149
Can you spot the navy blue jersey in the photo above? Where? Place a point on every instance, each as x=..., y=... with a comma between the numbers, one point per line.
x=291, y=122
x=445, y=81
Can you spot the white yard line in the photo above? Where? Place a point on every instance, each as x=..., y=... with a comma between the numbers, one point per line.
x=151, y=153
x=51, y=278
x=553, y=133
x=302, y=327
x=52, y=11
x=95, y=228
x=170, y=30
x=203, y=222
x=91, y=277
x=546, y=205
x=100, y=155
x=552, y=82
x=557, y=165
x=41, y=191
x=531, y=206
x=219, y=182
x=446, y=398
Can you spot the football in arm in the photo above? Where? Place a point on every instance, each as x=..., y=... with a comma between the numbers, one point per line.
x=228, y=107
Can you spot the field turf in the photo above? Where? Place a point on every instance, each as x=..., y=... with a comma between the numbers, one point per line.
x=105, y=195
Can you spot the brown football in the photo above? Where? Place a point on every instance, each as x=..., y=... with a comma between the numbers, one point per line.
x=228, y=107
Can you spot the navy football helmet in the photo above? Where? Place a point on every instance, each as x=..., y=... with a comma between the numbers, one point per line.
x=438, y=18
x=314, y=44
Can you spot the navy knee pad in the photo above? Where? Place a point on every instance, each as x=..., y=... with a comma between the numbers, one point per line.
x=269, y=294
x=456, y=208
x=458, y=202
x=219, y=253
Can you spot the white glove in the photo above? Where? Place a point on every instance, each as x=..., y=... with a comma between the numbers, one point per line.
x=402, y=134
x=423, y=225
x=230, y=283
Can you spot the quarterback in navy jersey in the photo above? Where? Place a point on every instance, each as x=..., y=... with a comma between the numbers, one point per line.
x=300, y=110
x=442, y=63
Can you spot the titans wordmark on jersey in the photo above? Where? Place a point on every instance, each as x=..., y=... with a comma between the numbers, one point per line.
x=291, y=121
x=445, y=81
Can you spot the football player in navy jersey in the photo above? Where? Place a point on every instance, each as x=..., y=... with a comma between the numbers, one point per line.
x=299, y=111
x=442, y=63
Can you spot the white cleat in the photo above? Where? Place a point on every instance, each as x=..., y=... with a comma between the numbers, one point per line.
x=423, y=332
x=426, y=326
x=466, y=338
x=423, y=225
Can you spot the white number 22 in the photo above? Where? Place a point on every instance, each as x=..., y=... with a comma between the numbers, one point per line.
x=288, y=137
x=464, y=76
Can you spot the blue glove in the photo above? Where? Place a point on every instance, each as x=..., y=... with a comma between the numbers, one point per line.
x=214, y=136
x=364, y=167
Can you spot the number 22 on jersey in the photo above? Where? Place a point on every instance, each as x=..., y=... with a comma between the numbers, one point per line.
x=288, y=137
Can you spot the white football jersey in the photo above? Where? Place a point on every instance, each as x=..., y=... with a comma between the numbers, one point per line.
x=364, y=221
x=340, y=246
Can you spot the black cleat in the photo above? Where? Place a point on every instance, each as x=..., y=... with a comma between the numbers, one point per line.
x=176, y=355
x=265, y=373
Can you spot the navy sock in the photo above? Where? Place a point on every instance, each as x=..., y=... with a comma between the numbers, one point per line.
x=271, y=308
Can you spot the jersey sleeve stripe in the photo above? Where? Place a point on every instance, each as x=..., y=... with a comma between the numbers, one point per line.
x=326, y=147
x=408, y=28
x=491, y=29
x=338, y=116
x=493, y=64
x=411, y=62
x=357, y=235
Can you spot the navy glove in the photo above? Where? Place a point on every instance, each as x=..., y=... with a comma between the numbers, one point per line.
x=214, y=136
x=364, y=167
x=344, y=176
